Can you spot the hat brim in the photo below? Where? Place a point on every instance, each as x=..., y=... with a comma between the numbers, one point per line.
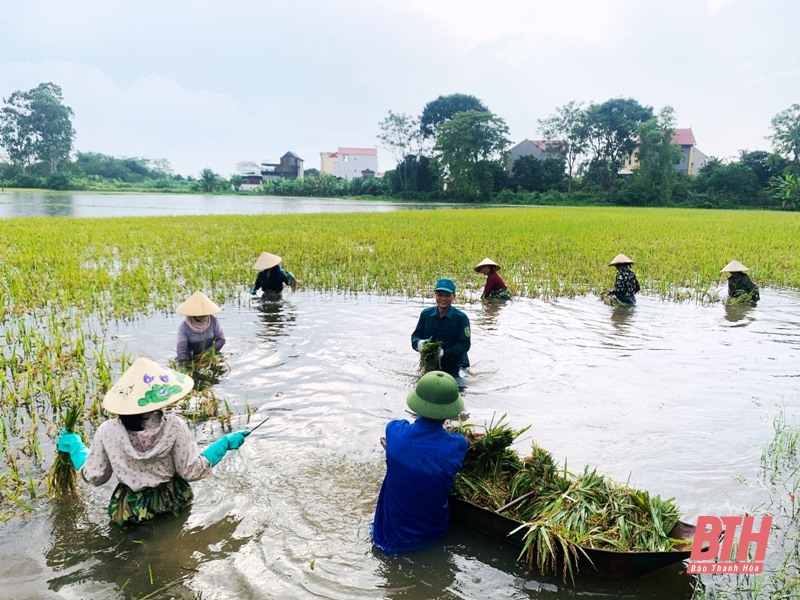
x=267, y=261
x=435, y=411
x=198, y=305
x=486, y=262
x=144, y=387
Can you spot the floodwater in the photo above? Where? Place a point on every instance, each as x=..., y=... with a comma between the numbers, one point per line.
x=677, y=399
x=88, y=204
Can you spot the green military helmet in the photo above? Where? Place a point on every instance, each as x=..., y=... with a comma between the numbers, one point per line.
x=436, y=396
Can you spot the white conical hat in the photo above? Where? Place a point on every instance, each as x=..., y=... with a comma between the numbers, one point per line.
x=487, y=262
x=734, y=267
x=198, y=305
x=146, y=386
x=620, y=259
x=267, y=261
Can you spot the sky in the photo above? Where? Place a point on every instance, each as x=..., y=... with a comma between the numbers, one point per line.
x=205, y=83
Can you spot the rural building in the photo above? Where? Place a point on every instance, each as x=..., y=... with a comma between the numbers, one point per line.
x=539, y=149
x=691, y=161
x=349, y=163
x=290, y=166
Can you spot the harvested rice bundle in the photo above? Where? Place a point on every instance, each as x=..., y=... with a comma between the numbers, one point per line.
x=429, y=359
x=62, y=479
x=610, y=299
x=560, y=512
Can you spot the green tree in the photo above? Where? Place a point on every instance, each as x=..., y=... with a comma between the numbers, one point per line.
x=765, y=165
x=236, y=181
x=787, y=190
x=36, y=125
x=569, y=127
x=467, y=145
x=208, y=180
x=401, y=136
x=612, y=134
x=445, y=108
x=538, y=175
x=657, y=155
x=786, y=133
x=734, y=183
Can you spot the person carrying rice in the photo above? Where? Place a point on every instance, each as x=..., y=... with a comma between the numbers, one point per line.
x=625, y=283
x=271, y=278
x=153, y=455
x=495, y=288
x=200, y=331
x=445, y=323
x=739, y=282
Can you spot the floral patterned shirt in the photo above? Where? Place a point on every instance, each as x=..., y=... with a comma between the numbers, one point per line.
x=625, y=284
x=145, y=459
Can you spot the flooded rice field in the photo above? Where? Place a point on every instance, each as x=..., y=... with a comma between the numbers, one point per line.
x=104, y=204
x=677, y=399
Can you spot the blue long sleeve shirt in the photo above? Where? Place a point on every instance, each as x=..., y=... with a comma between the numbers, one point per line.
x=452, y=330
x=422, y=461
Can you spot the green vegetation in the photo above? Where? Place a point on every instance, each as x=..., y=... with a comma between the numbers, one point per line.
x=560, y=511
x=60, y=291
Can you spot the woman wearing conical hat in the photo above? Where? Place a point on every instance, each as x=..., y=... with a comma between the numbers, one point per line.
x=271, y=278
x=200, y=331
x=625, y=283
x=495, y=288
x=152, y=454
x=739, y=282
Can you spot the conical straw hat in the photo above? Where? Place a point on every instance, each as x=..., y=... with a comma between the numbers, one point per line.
x=267, y=261
x=620, y=259
x=198, y=305
x=146, y=386
x=486, y=262
x=734, y=267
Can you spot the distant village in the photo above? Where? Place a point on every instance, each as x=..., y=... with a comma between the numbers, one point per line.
x=349, y=163
x=345, y=163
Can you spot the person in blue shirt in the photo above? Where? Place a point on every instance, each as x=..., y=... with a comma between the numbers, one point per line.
x=447, y=324
x=271, y=278
x=422, y=461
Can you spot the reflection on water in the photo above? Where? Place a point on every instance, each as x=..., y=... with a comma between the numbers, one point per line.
x=674, y=398
x=125, y=562
x=276, y=316
x=87, y=204
x=737, y=313
x=621, y=316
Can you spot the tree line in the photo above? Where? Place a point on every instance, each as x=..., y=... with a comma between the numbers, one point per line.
x=458, y=149
x=455, y=150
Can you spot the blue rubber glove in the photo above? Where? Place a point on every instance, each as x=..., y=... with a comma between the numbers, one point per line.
x=229, y=441
x=72, y=444
x=421, y=344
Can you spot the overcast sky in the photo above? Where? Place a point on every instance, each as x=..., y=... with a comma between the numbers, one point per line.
x=207, y=83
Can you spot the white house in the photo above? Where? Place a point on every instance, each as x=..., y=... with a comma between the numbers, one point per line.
x=349, y=163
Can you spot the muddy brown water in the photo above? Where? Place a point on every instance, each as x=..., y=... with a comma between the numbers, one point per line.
x=677, y=399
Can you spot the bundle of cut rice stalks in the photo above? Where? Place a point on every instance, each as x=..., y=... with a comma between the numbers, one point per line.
x=62, y=479
x=429, y=358
x=560, y=512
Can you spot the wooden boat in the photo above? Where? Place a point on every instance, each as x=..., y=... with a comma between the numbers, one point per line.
x=603, y=563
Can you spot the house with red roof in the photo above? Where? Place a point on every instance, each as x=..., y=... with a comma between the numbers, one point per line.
x=539, y=149
x=691, y=161
x=349, y=163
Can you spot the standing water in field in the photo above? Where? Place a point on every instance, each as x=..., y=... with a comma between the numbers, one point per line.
x=676, y=399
